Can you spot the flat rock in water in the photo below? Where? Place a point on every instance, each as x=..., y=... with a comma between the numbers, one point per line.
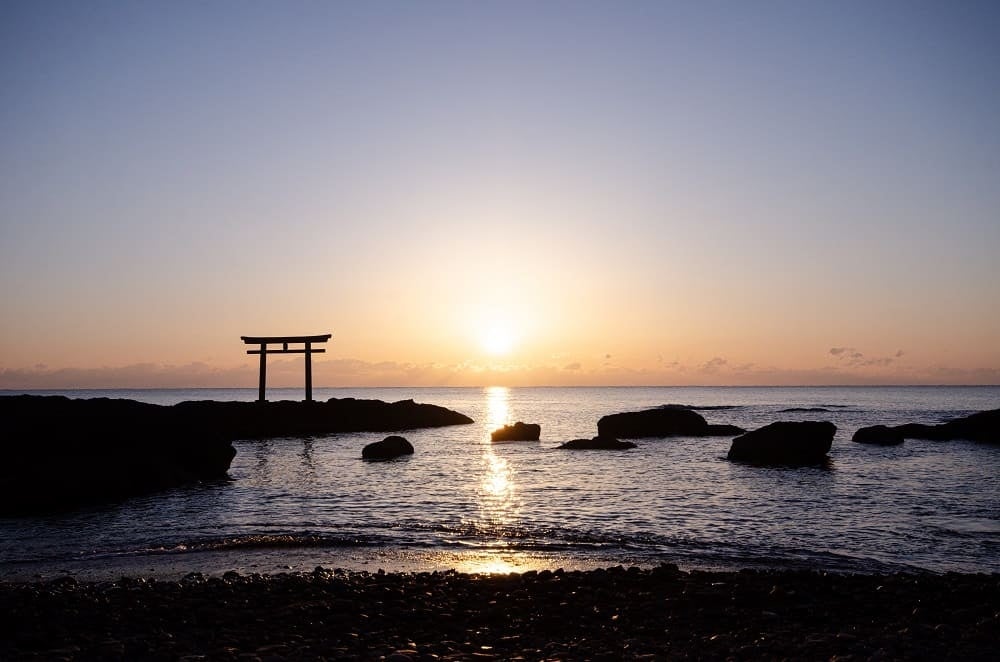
x=598, y=443
x=878, y=435
x=517, y=432
x=391, y=447
x=667, y=421
x=785, y=442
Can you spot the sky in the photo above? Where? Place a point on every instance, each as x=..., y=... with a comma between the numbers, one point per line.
x=537, y=193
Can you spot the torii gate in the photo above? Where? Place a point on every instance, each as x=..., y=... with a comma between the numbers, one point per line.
x=264, y=341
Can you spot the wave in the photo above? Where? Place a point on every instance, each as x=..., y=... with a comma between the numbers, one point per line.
x=642, y=547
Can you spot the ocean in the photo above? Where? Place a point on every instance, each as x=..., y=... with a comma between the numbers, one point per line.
x=462, y=502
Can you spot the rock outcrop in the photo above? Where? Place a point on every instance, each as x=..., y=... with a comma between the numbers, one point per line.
x=878, y=435
x=669, y=421
x=983, y=427
x=598, y=443
x=517, y=432
x=60, y=452
x=391, y=447
x=785, y=442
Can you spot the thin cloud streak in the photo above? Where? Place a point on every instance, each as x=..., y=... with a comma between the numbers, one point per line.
x=358, y=373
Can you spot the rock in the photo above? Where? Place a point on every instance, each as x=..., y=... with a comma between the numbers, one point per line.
x=517, y=432
x=387, y=449
x=662, y=422
x=597, y=443
x=983, y=427
x=61, y=452
x=879, y=435
x=785, y=442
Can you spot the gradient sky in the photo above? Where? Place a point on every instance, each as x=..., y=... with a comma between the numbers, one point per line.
x=620, y=193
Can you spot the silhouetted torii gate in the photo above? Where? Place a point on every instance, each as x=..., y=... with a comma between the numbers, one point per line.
x=264, y=341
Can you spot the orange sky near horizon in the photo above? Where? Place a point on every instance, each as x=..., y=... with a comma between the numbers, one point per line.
x=558, y=194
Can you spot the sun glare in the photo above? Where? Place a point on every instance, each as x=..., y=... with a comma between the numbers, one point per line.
x=498, y=340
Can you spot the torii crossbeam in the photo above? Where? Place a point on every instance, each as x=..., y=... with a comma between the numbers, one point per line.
x=284, y=341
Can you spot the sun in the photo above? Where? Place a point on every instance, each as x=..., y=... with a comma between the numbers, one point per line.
x=498, y=340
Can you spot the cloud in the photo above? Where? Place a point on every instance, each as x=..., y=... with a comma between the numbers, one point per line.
x=354, y=373
x=849, y=356
x=713, y=365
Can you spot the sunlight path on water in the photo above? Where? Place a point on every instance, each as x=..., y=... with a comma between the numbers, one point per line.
x=499, y=507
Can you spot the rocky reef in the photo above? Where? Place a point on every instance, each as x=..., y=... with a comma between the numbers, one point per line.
x=982, y=427
x=668, y=421
x=60, y=452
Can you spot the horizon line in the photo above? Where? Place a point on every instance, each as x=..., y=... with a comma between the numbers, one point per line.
x=277, y=388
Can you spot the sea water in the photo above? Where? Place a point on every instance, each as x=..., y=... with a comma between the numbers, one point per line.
x=463, y=502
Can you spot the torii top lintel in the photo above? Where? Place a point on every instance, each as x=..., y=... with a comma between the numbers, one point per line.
x=264, y=341
x=259, y=340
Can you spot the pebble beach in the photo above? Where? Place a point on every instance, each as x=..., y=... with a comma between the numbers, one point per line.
x=608, y=613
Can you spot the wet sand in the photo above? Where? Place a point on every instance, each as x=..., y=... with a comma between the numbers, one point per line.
x=613, y=613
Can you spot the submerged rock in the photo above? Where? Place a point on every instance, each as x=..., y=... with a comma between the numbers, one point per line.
x=387, y=449
x=517, y=432
x=666, y=421
x=878, y=435
x=785, y=442
x=598, y=443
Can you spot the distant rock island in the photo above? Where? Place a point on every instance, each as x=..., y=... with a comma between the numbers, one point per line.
x=61, y=452
x=666, y=421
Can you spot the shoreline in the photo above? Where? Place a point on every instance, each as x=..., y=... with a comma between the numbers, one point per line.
x=270, y=559
x=610, y=613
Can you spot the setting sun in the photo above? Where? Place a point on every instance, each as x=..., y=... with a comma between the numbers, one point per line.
x=498, y=340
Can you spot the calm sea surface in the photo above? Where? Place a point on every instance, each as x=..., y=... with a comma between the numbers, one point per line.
x=463, y=502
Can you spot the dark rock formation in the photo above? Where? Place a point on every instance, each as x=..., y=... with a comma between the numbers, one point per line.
x=982, y=427
x=286, y=418
x=60, y=452
x=517, y=432
x=878, y=435
x=784, y=442
x=667, y=421
x=387, y=449
x=598, y=443
x=792, y=410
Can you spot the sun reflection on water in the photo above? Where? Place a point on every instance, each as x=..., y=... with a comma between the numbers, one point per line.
x=499, y=506
x=497, y=407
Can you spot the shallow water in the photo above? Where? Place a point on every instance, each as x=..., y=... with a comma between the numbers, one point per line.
x=461, y=501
